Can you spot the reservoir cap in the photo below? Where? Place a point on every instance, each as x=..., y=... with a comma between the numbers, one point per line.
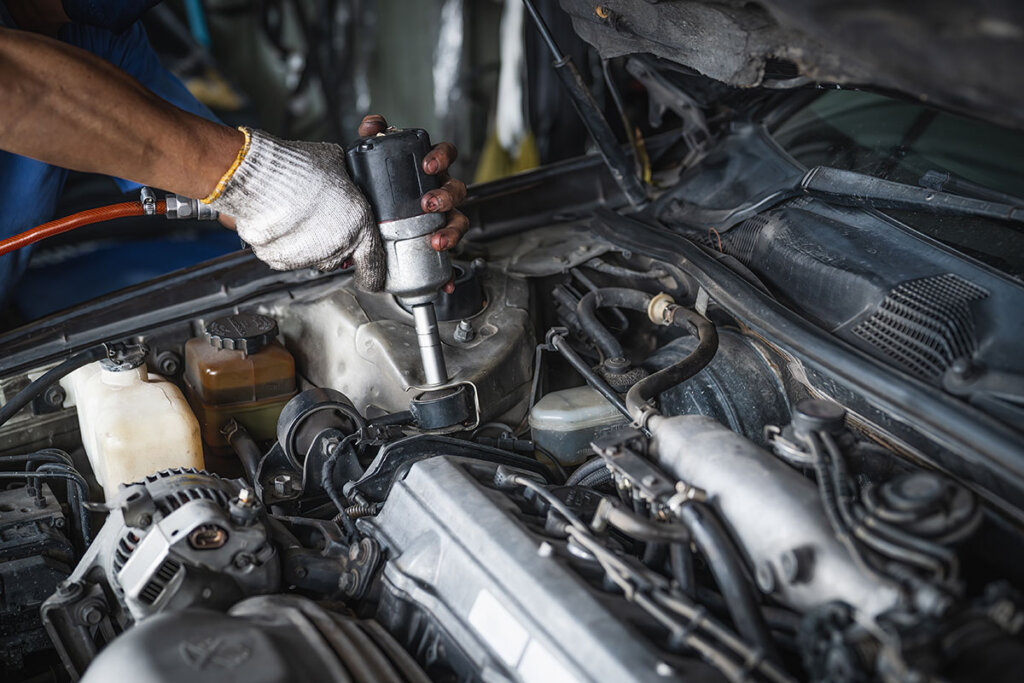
x=246, y=332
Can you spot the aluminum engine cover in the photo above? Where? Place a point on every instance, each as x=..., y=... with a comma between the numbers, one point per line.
x=511, y=601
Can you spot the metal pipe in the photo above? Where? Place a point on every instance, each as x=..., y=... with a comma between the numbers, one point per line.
x=558, y=343
x=429, y=337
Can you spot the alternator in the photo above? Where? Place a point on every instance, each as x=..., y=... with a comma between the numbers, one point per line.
x=181, y=538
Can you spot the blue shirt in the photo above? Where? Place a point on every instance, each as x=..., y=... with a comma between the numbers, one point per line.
x=29, y=189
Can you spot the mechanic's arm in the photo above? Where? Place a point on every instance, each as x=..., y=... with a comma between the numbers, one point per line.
x=293, y=202
x=66, y=107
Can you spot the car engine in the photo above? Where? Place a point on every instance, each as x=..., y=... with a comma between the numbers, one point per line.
x=634, y=485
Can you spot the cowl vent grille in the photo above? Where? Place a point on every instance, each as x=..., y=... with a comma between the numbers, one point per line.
x=925, y=325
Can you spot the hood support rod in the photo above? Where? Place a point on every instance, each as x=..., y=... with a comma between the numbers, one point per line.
x=590, y=113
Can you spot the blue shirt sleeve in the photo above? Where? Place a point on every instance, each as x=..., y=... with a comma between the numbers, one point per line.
x=28, y=188
x=115, y=15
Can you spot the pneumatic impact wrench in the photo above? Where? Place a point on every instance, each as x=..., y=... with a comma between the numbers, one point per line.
x=388, y=168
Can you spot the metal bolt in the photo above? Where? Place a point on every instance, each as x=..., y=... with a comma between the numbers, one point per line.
x=54, y=396
x=796, y=565
x=301, y=572
x=246, y=498
x=464, y=332
x=328, y=445
x=765, y=577
x=90, y=614
x=169, y=363
x=282, y=484
x=243, y=560
x=145, y=520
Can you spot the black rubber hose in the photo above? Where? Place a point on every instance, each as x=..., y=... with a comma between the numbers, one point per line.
x=585, y=470
x=586, y=311
x=643, y=392
x=724, y=561
x=604, y=340
x=682, y=567
x=878, y=535
x=36, y=388
x=245, y=447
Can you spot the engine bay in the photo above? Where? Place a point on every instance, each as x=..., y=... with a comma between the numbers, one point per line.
x=638, y=486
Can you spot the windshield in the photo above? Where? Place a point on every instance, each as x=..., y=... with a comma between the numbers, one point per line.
x=902, y=141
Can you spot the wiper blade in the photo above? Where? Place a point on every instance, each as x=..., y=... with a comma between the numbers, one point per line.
x=858, y=189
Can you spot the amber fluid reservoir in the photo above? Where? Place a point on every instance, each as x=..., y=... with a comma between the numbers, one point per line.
x=240, y=371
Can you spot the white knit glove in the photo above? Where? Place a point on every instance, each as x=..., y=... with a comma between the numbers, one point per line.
x=295, y=204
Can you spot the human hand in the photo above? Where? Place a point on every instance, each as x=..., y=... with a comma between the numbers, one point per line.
x=442, y=200
x=296, y=206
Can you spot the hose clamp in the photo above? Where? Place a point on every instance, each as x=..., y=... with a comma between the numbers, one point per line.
x=647, y=411
x=148, y=200
x=659, y=309
x=685, y=493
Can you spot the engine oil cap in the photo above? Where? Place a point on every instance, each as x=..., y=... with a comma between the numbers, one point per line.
x=246, y=332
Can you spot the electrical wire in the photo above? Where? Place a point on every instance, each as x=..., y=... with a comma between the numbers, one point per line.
x=77, y=220
x=327, y=481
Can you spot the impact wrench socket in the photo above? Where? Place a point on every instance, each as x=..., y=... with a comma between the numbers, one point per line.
x=388, y=168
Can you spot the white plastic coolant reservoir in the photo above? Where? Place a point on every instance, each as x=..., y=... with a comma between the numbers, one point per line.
x=133, y=424
x=565, y=422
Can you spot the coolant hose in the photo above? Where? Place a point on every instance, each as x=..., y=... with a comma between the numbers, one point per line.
x=643, y=392
x=245, y=447
x=36, y=388
x=611, y=297
x=77, y=220
x=723, y=559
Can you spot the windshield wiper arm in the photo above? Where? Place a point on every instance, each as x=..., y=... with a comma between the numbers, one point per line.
x=944, y=181
x=858, y=189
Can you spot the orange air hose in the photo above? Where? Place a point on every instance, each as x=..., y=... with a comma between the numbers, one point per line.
x=77, y=220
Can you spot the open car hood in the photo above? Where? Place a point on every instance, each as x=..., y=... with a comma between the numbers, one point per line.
x=961, y=56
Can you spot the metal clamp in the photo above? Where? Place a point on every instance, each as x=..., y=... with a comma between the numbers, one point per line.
x=148, y=200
